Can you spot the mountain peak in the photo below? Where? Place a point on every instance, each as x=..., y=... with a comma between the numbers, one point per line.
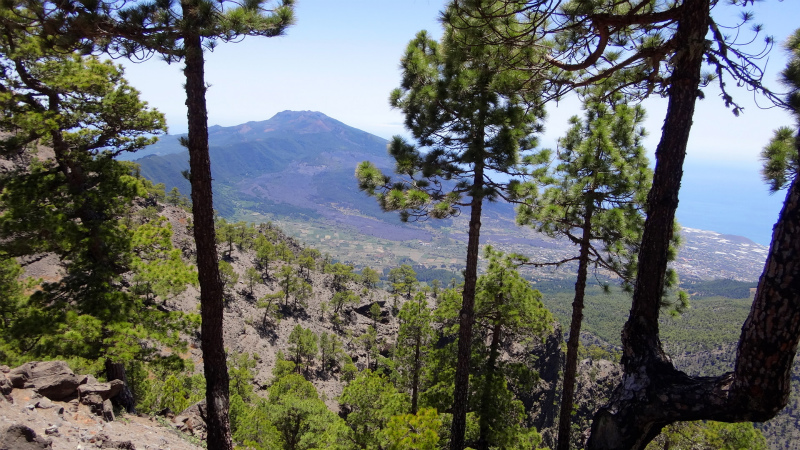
x=300, y=122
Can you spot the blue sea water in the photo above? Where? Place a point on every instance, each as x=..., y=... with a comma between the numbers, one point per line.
x=728, y=198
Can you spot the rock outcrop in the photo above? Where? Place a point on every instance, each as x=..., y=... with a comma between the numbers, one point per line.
x=55, y=381
x=51, y=379
x=20, y=437
x=191, y=420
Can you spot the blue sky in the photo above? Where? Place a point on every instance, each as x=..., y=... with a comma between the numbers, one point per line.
x=342, y=58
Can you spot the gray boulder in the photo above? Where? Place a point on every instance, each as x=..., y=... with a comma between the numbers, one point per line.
x=20, y=437
x=192, y=420
x=107, y=411
x=103, y=441
x=97, y=396
x=5, y=385
x=52, y=379
x=104, y=390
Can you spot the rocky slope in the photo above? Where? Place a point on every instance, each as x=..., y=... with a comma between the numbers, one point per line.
x=246, y=331
x=54, y=409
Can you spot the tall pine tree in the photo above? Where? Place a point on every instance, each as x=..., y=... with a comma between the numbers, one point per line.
x=180, y=31
x=413, y=338
x=594, y=196
x=65, y=118
x=470, y=121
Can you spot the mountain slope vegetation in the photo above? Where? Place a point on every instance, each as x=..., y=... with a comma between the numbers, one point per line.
x=309, y=187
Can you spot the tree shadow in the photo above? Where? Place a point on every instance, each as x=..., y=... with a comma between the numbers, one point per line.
x=267, y=331
x=294, y=312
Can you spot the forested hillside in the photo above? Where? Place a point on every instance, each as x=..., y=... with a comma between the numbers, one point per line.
x=239, y=334
x=296, y=170
x=296, y=316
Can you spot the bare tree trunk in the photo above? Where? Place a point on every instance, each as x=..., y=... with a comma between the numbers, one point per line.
x=571, y=368
x=415, y=376
x=466, y=317
x=211, y=291
x=125, y=399
x=653, y=393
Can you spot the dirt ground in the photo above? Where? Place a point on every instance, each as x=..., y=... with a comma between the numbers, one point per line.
x=71, y=426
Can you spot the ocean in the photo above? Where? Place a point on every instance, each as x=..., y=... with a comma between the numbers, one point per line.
x=728, y=198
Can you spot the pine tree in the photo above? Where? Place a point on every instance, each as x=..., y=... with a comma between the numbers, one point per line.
x=470, y=117
x=621, y=423
x=375, y=313
x=342, y=274
x=413, y=338
x=302, y=419
x=226, y=235
x=370, y=401
x=507, y=309
x=302, y=292
x=308, y=260
x=781, y=156
x=302, y=346
x=252, y=279
x=175, y=198
x=436, y=287
x=240, y=367
x=72, y=204
x=287, y=281
x=180, y=32
x=251, y=426
x=594, y=196
x=370, y=278
x=651, y=47
x=331, y=350
x=158, y=269
x=418, y=431
x=13, y=307
x=228, y=277
x=292, y=285
x=403, y=280
x=271, y=309
x=284, y=253
x=343, y=298
x=369, y=341
x=265, y=252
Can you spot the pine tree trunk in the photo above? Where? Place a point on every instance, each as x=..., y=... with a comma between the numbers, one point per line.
x=211, y=291
x=623, y=424
x=116, y=371
x=760, y=384
x=571, y=369
x=467, y=316
x=768, y=343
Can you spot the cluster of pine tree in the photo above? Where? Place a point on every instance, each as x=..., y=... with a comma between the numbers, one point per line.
x=65, y=198
x=398, y=388
x=473, y=103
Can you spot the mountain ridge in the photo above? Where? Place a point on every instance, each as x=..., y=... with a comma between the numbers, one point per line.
x=297, y=168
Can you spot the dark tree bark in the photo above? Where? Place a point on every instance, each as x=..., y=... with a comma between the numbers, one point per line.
x=653, y=393
x=211, y=290
x=116, y=371
x=571, y=368
x=467, y=315
x=770, y=334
